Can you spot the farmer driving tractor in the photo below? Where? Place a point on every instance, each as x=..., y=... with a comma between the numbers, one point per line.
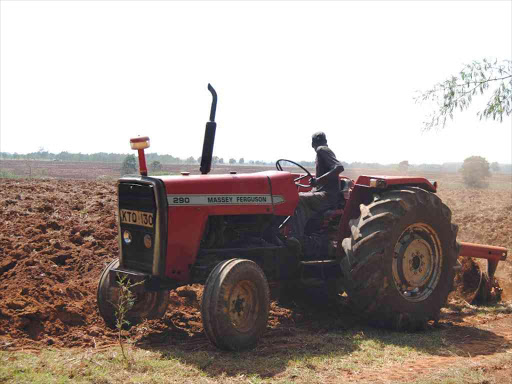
x=326, y=192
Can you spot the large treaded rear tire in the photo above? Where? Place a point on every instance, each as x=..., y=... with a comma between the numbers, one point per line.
x=399, y=260
x=235, y=305
x=148, y=305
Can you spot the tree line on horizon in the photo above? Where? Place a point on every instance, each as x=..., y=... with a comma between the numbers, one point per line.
x=119, y=158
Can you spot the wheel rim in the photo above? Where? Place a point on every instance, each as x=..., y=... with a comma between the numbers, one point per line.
x=417, y=262
x=144, y=304
x=243, y=305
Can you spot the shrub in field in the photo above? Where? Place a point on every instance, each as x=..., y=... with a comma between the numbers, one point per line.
x=475, y=171
x=403, y=166
x=495, y=167
x=129, y=165
x=155, y=166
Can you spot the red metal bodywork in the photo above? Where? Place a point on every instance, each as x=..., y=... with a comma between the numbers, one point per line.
x=483, y=251
x=414, y=181
x=489, y=252
x=142, y=163
x=143, y=169
x=187, y=222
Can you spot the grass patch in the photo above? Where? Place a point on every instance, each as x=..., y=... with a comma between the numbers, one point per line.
x=494, y=309
x=472, y=372
x=304, y=357
x=72, y=366
x=8, y=175
x=483, y=311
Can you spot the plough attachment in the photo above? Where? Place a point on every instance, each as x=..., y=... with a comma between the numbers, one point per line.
x=487, y=287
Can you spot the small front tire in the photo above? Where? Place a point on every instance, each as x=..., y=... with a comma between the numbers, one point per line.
x=148, y=304
x=235, y=305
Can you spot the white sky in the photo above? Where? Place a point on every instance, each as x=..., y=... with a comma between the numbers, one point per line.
x=85, y=76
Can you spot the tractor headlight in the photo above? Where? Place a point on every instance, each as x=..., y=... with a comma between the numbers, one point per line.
x=127, y=237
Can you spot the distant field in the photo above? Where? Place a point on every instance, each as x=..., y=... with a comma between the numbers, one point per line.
x=85, y=170
x=90, y=170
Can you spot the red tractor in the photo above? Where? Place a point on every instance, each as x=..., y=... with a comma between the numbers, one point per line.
x=389, y=244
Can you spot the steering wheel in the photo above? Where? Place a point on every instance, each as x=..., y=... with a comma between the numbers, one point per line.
x=308, y=174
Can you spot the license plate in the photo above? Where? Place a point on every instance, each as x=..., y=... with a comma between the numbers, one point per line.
x=136, y=218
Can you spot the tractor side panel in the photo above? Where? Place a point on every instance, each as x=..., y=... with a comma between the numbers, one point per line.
x=192, y=199
x=283, y=188
x=185, y=229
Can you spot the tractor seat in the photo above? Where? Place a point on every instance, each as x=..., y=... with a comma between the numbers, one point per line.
x=331, y=213
x=337, y=209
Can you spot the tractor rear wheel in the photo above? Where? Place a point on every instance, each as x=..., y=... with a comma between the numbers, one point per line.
x=235, y=304
x=148, y=304
x=399, y=261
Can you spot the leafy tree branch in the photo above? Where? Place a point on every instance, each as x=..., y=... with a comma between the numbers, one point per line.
x=457, y=92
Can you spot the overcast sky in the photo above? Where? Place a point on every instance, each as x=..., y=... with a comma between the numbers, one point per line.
x=85, y=76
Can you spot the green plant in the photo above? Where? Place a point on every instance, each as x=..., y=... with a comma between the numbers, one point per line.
x=8, y=175
x=124, y=304
x=475, y=171
x=129, y=165
x=155, y=166
x=474, y=79
x=403, y=166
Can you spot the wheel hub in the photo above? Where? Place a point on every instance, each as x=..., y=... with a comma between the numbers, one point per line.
x=417, y=266
x=243, y=305
x=417, y=262
x=238, y=305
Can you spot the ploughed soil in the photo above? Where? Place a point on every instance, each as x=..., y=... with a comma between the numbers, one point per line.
x=56, y=236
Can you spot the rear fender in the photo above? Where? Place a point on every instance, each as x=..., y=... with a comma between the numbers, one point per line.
x=383, y=182
x=366, y=186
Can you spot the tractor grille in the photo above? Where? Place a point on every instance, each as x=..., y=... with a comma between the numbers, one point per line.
x=139, y=198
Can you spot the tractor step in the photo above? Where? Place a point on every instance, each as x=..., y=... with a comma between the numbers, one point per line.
x=320, y=269
x=319, y=262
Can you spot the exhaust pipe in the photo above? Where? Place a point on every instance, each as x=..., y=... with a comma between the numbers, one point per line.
x=209, y=136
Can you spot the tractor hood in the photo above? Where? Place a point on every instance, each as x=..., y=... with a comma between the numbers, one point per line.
x=261, y=192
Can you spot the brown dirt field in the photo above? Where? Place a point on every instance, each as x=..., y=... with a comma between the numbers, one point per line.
x=57, y=235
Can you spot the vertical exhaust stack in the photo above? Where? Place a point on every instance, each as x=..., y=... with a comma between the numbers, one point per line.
x=209, y=136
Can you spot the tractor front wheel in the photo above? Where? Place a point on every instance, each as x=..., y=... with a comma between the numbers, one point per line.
x=235, y=304
x=399, y=261
x=148, y=304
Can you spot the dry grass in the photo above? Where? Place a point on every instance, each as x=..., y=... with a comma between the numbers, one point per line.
x=357, y=354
